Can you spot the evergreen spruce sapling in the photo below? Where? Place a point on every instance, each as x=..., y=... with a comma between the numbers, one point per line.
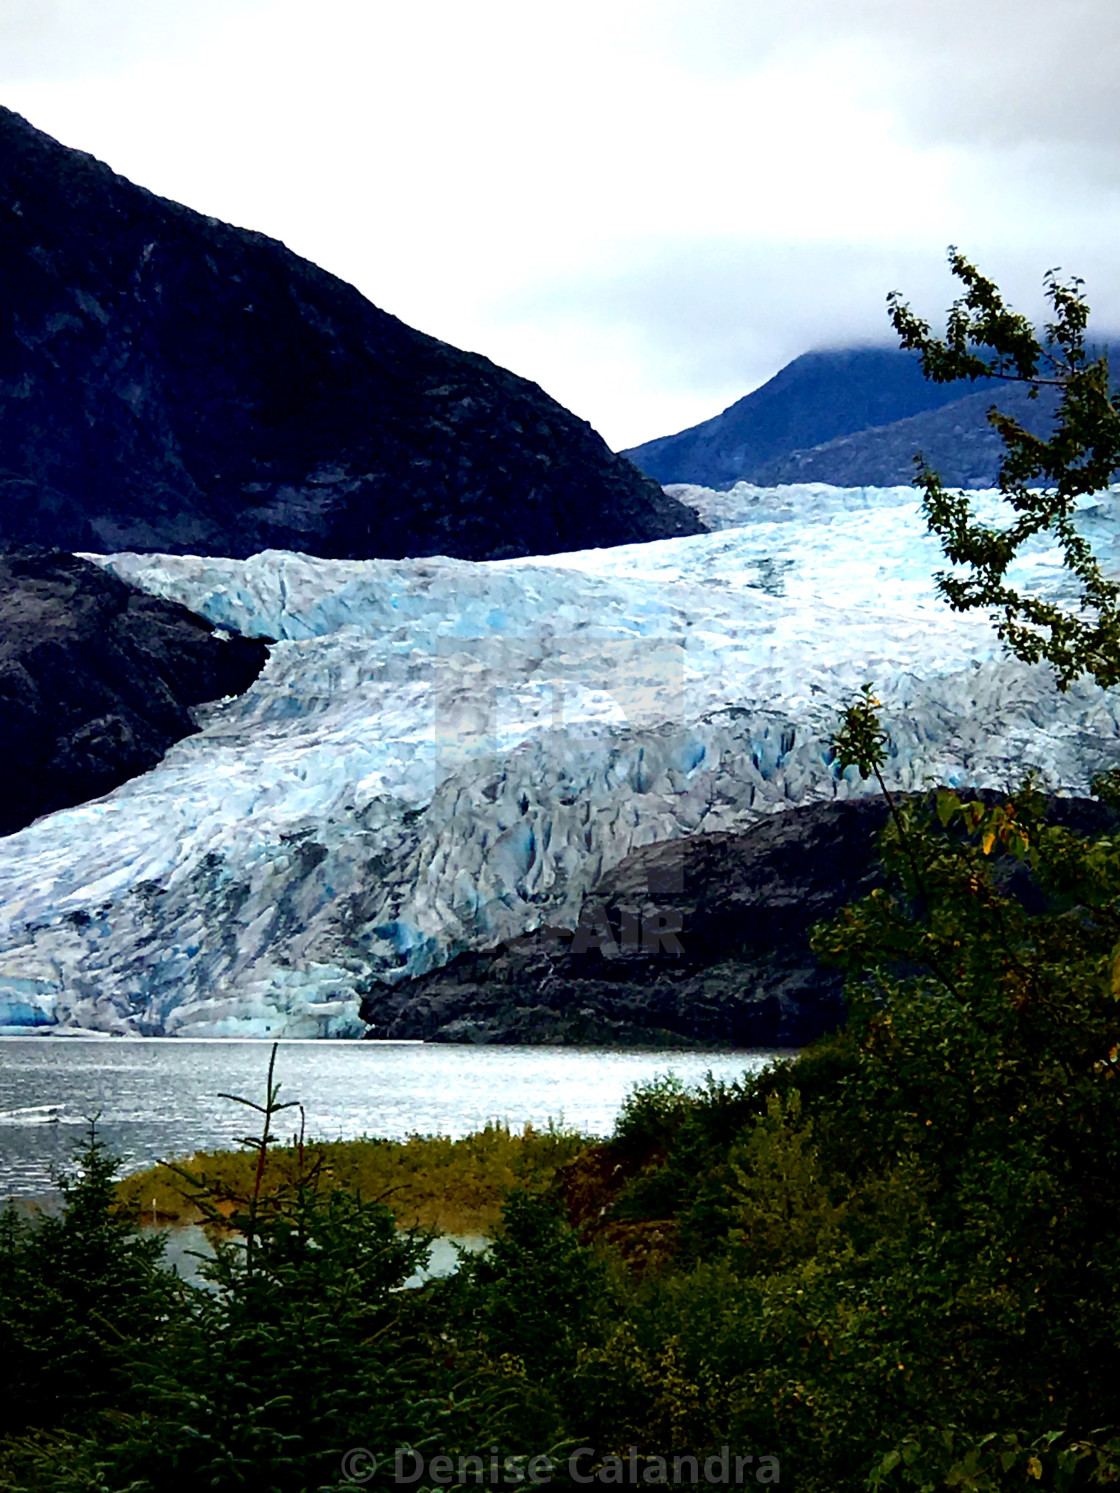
x=80, y=1295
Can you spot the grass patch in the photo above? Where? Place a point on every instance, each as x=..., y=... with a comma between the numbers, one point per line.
x=429, y=1182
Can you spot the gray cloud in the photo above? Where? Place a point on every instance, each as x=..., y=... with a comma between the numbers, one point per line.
x=1007, y=72
x=1001, y=72
x=48, y=40
x=1028, y=91
x=1035, y=81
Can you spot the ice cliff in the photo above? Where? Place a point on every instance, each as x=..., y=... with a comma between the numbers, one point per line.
x=440, y=754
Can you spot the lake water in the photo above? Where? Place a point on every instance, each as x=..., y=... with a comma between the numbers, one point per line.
x=159, y=1098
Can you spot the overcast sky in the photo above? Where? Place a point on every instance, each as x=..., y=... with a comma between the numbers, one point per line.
x=647, y=206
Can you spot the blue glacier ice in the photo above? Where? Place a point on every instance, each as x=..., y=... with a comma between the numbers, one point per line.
x=440, y=755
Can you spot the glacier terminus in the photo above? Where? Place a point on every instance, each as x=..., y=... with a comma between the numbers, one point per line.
x=441, y=754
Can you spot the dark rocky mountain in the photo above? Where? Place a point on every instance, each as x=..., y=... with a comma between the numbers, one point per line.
x=97, y=680
x=169, y=382
x=853, y=419
x=697, y=941
x=816, y=398
x=957, y=441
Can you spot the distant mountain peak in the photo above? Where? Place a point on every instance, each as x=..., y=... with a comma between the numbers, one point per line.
x=823, y=395
x=851, y=417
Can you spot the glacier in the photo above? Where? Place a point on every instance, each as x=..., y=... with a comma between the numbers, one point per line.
x=441, y=755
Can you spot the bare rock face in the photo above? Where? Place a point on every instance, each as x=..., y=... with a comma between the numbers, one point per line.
x=696, y=942
x=97, y=680
x=171, y=383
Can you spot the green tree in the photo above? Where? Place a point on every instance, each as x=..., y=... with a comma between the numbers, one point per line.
x=1042, y=480
x=80, y=1294
x=984, y=988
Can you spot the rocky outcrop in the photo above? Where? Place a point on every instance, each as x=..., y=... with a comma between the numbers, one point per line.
x=97, y=680
x=171, y=383
x=696, y=941
x=702, y=941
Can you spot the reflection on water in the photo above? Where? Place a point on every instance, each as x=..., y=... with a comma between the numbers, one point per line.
x=159, y=1098
x=443, y=1256
x=186, y=1248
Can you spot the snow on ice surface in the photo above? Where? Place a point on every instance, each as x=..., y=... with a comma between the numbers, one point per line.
x=440, y=755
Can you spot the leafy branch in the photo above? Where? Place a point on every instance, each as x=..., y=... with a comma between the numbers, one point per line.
x=1041, y=480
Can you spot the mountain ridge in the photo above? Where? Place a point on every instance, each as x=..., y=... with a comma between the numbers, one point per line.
x=169, y=382
x=818, y=397
x=854, y=417
x=957, y=441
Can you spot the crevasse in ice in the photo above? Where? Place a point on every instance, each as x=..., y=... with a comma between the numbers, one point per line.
x=440, y=755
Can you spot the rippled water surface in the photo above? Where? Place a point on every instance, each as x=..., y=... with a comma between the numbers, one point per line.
x=160, y=1098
